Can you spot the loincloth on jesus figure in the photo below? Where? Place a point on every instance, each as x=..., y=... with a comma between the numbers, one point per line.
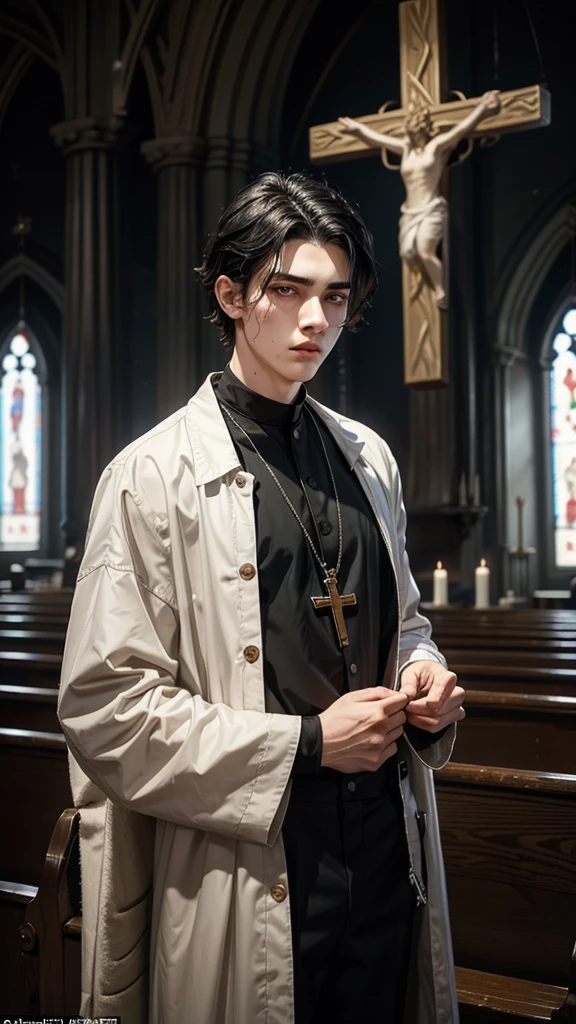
x=429, y=219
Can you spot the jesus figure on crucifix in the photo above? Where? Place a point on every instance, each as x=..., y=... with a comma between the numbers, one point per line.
x=424, y=154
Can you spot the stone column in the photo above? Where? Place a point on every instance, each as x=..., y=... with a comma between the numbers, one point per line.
x=502, y=361
x=94, y=411
x=181, y=368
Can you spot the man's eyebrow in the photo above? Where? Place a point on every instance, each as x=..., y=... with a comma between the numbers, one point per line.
x=308, y=281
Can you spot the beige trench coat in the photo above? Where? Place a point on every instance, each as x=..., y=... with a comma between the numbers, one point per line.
x=181, y=776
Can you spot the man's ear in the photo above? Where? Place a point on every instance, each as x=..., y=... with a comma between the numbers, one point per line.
x=229, y=295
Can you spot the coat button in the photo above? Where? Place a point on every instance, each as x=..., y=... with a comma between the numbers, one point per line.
x=251, y=653
x=351, y=786
x=325, y=528
x=240, y=480
x=353, y=668
x=247, y=571
x=278, y=892
x=296, y=433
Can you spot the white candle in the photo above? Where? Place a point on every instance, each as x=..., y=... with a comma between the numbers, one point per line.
x=482, y=585
x=440, y=585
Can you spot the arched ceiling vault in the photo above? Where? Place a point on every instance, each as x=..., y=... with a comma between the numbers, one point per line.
x=12, y=70
x=213, y=68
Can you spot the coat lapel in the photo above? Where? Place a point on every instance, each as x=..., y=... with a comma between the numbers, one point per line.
x=212, y=448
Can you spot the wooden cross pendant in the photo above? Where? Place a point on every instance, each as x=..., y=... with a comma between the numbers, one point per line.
x=336, y=601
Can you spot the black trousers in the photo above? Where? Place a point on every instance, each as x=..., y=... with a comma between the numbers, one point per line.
x=352, y=905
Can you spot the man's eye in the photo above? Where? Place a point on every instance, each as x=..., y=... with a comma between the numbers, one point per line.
x=283, y=289
x=341, y=298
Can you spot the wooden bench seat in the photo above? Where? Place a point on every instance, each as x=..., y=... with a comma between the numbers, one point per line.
x=34, y=621
x=34, y=790
x=518, y=730
x=29, y=707
x=522, y=644
x=42, y=935
x=24, y=668
x=491, y=997
x=32, y=641
x=510, y=659
x=515, y=679
x=509, y=840
x=56, y=596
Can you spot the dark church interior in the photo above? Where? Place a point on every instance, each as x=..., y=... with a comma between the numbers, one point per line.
x=127, y=127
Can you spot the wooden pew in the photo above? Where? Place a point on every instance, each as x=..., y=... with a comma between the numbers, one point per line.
x=510, y=659
x=518, y=730
x=40, y=931
x=509, y=840
x=34, y=621
x=20, y=668
x=34, y=790
x=29, y=707
x=58, y=595
x=516, y=679
x=32, y=641
x=551, y=618
x=523, y=645
x=18, y=981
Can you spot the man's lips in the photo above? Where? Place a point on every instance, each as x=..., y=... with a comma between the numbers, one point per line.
x=309, y=347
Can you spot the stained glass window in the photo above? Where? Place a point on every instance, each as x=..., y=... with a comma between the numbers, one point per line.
x=20, y=444
x=563, y=416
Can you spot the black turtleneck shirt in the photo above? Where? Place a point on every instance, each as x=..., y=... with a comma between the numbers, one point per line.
x=305, y=669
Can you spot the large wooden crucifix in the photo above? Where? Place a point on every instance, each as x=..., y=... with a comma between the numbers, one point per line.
x=423, y=88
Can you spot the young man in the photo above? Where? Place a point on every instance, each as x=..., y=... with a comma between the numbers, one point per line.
x=250, y=696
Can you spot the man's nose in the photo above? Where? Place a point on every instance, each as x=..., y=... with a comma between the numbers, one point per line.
x=312, y=315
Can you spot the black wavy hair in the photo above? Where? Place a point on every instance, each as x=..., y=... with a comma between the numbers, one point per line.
x=273, y=209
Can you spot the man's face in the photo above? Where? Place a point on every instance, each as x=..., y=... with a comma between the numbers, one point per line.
x=291, y=328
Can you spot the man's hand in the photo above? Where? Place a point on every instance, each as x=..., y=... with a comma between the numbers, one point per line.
x=360, y=729
x=435, y=698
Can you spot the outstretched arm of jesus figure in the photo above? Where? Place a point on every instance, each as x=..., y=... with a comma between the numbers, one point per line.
x=386, y=141
x=489, y=106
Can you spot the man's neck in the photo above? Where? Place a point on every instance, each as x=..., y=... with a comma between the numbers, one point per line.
x=257, y=377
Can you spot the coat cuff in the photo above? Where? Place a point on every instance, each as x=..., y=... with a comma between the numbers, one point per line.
x=437, y=755
x=420, y=653
x=309, y=752
x=421, y=739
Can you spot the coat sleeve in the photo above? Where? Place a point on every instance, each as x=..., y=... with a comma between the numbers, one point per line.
x=415, y=641
x=146, y=741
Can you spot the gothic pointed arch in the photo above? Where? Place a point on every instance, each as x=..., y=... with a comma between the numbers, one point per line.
x=521, y=388
x=20, y=264
x=530, y=270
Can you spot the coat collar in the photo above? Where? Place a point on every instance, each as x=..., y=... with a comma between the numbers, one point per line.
x=212, y=448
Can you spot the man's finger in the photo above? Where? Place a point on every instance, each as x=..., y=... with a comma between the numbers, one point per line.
x=423, y=706
x=410, y=687
x=397, y=701
x=436, y=723
x=373, y=693
x=440, y=691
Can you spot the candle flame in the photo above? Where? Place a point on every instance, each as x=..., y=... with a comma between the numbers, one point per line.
x=483, y=563
x=438, y=565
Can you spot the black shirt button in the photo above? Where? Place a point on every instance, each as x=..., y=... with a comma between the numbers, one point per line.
x=310, y=480
x=296, y=433
x=353, y=668
x=325, y=528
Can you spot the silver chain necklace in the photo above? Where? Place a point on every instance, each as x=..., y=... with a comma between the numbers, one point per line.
x=334, y=600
